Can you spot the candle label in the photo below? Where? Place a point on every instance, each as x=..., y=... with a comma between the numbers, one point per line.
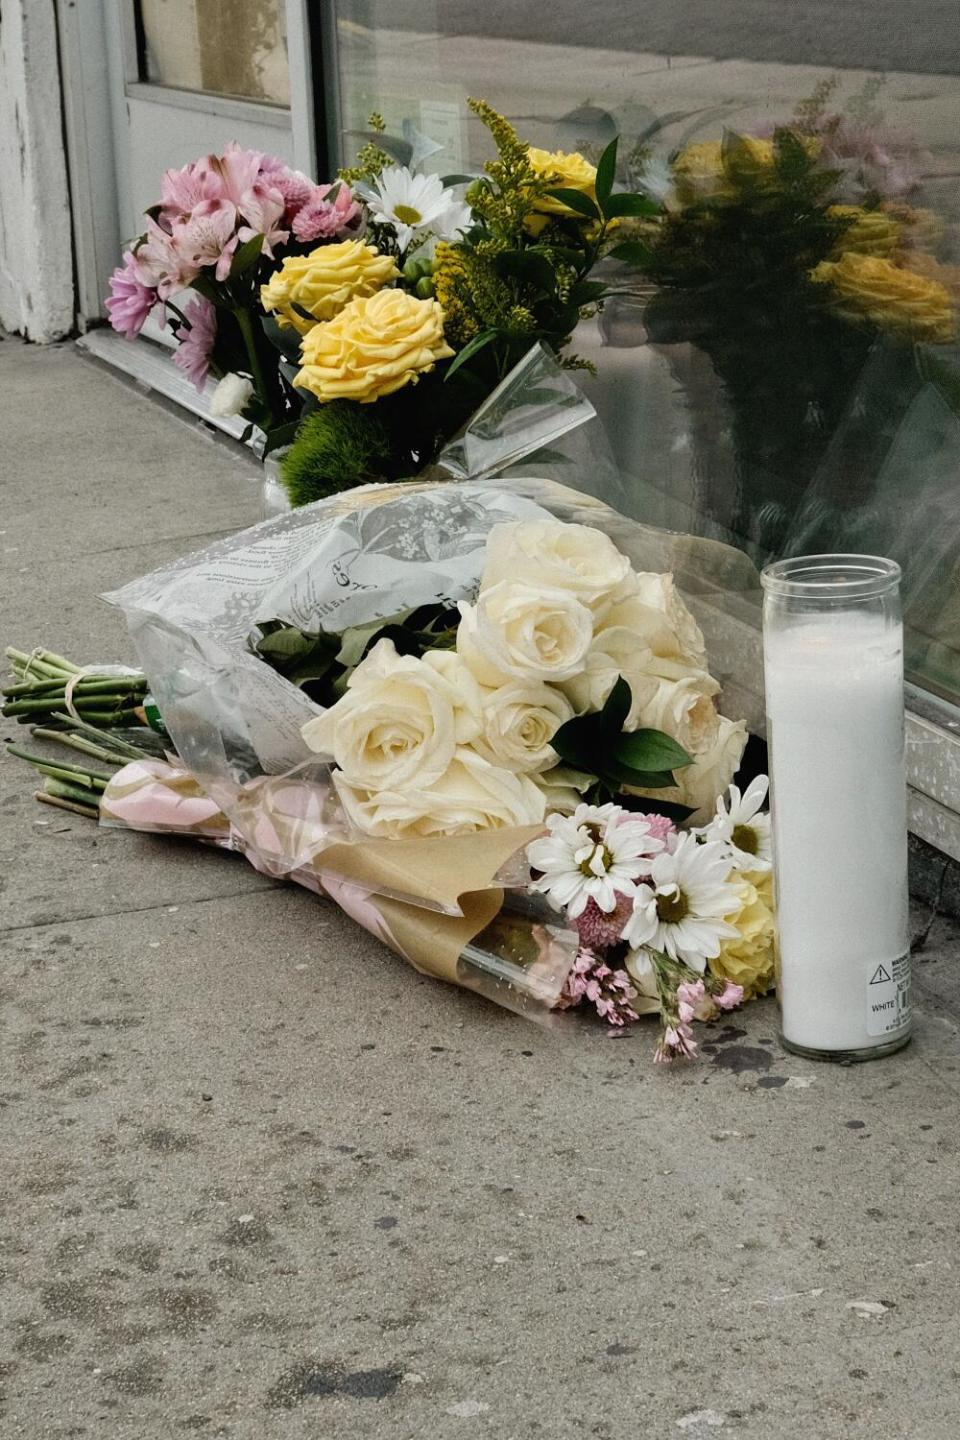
x=888, y=996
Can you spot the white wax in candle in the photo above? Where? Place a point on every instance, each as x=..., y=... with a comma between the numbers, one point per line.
x=834, y=686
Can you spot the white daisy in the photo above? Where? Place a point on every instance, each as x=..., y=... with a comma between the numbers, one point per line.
x=415, y=205
x=742, y=827
x=597, y=853
x=680, y=910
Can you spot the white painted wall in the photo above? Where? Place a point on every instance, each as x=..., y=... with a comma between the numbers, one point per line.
x=36, y=263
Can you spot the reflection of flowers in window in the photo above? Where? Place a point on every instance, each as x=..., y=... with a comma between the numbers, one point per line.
x=867, y=287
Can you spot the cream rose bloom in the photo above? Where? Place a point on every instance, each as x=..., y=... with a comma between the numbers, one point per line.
x=575, y=558
x=324, y=281
x=659, y=593
x=685, y=710
x=517, y=631
x=401, y=720
x=373, y=347
x=519, y=721
x=471, y=795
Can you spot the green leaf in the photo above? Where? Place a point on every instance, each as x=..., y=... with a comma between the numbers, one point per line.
x=616, y=708
x=529, y=266
x=279, y=436
x=628, y=204
x=470, y=349
x=650, y=750
x=211, y=291
x=246, y=255
x=578, y=202
x=285, y=338
x=606, y=172
x=580, y=741
x=634, y=252
x=586, y=292
x=285, y=643
x=458, y=179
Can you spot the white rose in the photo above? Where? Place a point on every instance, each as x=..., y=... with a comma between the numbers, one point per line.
x=685, y=710
x=659, y=593
x=563, y=788
x=519, y=721
x=616, y=651
x=699, y=785
x=550, y=553
x=523, y=632
x=401, y=719
x=231, y=395
x=471, y=795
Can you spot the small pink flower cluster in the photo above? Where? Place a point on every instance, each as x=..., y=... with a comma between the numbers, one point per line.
x=693, y=1002
x=610, y=991
x=207, y=209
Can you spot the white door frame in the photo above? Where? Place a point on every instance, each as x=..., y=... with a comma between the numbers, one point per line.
x=99, y=70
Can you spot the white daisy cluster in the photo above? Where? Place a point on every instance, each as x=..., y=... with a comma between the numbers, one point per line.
x=680, y=888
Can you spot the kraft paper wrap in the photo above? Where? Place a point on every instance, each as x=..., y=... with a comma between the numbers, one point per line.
x=448, y=885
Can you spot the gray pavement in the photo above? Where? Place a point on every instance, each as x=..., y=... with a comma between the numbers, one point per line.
x=259, y=1179
x=849, y=35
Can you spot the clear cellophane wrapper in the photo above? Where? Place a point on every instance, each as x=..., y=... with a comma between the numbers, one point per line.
x=455, y=907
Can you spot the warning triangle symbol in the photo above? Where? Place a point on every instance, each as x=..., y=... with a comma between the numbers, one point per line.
x=879, y=976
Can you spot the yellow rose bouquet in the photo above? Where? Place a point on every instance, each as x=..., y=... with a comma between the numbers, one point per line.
x=393, y=338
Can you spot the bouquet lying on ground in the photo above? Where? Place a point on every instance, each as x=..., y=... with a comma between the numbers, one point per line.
x=380, y=309
x=518, y=723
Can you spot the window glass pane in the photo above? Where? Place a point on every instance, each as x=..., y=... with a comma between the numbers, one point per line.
x=744, y=402
x=223, y=47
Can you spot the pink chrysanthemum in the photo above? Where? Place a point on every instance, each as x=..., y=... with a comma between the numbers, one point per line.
x=599, y=931
x=324, y=219
x=659, y=825
x=131, y=299
x=193, y=352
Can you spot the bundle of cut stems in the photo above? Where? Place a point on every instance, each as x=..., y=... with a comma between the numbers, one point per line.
x=38, y=695
x=74, y=787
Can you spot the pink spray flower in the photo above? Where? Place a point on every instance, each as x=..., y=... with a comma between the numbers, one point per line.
x=262, y=206
x=676, y=1043
x=132, y=297
x=193, y=352
x=323, y=218
x=730, y=997
x=689, y=999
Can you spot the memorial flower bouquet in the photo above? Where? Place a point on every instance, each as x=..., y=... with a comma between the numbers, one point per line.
x=791, y=260
x=379, y=309
x=467, y=716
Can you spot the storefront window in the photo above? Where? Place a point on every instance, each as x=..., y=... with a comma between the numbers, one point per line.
x=784, y=375
x=222, y=47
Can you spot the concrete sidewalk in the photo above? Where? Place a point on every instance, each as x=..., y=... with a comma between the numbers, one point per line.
x=259, y=1179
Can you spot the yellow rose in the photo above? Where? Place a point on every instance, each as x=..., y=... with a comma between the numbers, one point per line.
x=713, y=168
x=565, y=171
x=324, y=281
x=373, y=347
x=869, y=232
x=901, y=301
x=747, y=959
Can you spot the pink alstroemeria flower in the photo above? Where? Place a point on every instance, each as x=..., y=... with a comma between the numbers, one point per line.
x=193, y=352
x=132, y=297
x=208, y=236
x=163, y=259
x=262, y=206
x=181, y=191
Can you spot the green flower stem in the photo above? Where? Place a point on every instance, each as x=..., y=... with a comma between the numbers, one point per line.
x=85, y=746
x=92, y=812
x=42, y=660
x=259, y=380
x=77, y=793
x=61, y=770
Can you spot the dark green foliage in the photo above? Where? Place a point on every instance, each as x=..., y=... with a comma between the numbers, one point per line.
x=598, y=745
x=338, y=446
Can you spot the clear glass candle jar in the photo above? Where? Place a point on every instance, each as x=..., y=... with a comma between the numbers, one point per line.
x=833, y=661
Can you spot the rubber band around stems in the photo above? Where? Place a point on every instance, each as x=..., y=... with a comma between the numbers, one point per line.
x=85, y=671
